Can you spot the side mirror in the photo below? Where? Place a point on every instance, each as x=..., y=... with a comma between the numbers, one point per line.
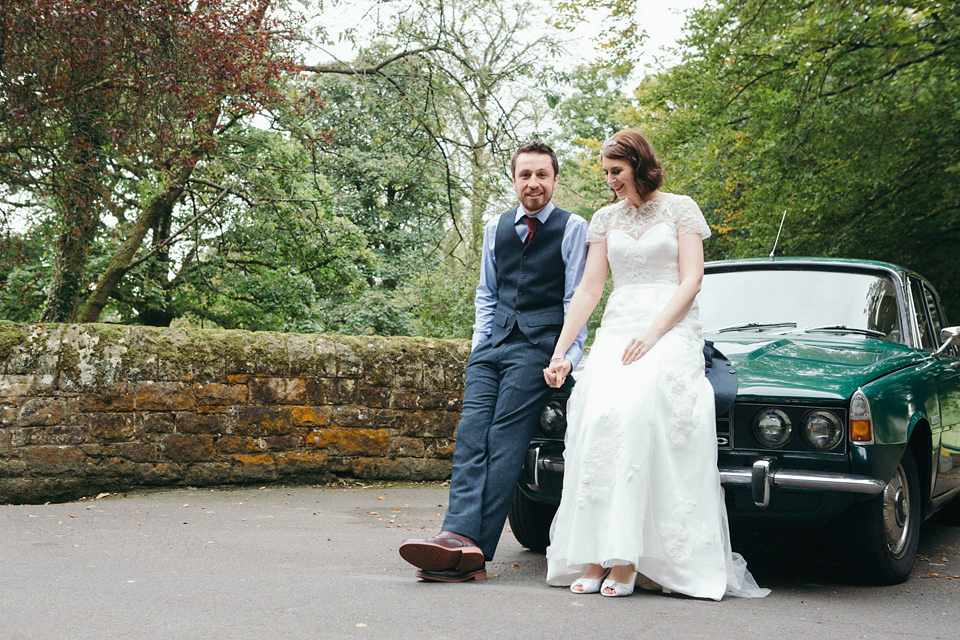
x=948, y=337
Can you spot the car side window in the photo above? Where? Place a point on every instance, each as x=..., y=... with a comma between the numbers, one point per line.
x=921, y=316
x=936, y=314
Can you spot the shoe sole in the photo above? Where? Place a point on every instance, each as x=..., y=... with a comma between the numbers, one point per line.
x=435, y=557
x=474, y=575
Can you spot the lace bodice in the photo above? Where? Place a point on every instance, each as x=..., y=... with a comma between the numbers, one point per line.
x=642, y=242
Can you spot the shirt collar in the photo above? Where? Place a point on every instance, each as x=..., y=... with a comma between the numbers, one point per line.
x=541, y=215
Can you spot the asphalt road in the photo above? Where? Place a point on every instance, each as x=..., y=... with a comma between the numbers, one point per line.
x=310, y=562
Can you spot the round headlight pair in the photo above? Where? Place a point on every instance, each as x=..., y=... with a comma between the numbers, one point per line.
x=821, y=429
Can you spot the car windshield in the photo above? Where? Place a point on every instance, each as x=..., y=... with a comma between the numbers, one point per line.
x=790, y=301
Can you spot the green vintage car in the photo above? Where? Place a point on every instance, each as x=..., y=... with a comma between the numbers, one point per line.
x=846, y=411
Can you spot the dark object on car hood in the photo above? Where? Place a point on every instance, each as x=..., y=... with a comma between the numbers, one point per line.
x=722, y=376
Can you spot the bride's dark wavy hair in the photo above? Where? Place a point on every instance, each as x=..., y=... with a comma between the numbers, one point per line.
x=632, y=147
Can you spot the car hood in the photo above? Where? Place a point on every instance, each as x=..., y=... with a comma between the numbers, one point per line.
x=809, y=368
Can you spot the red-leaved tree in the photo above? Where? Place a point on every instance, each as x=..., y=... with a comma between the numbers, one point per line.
x=99, y=93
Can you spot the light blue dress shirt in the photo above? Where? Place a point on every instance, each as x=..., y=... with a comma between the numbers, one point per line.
x=574, y=251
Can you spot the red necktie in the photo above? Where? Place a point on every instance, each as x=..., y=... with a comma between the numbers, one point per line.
x=532, y=226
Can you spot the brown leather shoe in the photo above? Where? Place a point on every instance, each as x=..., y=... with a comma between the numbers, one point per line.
x=452, y=575
x=446, y=550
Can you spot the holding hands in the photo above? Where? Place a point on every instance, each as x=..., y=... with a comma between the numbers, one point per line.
x=556, y=372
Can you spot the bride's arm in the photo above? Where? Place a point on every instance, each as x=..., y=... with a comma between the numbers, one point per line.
x=690, y=255
x=582, y=304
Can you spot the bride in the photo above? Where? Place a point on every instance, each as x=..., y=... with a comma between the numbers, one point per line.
x=642, y=503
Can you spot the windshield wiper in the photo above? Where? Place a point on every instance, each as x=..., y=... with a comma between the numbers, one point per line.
x=757, y=326
x=839, y=328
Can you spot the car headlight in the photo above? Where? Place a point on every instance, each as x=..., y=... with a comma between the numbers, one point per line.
x=822, y=429
x=553, y=420
x=772, y=428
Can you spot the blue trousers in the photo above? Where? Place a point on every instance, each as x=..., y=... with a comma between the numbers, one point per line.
x=503, y=397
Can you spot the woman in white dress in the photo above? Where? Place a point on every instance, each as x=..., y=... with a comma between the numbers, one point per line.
x=641, y=490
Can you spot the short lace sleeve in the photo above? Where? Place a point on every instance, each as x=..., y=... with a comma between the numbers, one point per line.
x=599, y=226
x=688, y=218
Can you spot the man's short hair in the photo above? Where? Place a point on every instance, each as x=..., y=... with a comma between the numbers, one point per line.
x=535, y=146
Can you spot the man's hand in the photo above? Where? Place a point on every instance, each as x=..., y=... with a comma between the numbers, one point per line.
x=556, y=372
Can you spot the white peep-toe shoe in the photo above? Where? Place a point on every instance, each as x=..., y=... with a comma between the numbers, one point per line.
x=588, y=585
x=619, y=589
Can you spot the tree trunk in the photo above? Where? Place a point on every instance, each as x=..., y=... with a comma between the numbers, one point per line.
x=148, y=219
x=77, y=196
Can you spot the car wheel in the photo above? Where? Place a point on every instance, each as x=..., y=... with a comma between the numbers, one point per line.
x=530, y=521
x=886, y=528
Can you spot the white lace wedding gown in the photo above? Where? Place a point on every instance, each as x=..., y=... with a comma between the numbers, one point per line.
x=641, y=484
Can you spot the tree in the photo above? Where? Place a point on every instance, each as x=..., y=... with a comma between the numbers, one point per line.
x=111, y=104
x=843, y=116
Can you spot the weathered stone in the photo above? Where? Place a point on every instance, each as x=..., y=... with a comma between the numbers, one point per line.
x=353, y=416
x=153, y=396
x=328, y=439
x=259, y=421
x=47, y=435
x=380, y=468
x=269, y=353
x=112, y=467
x=438, y=448
x=159, y=406
x=255, y=467
x=42, y=412
x=208, y=473
x=158, y=422
x=282, y=443
x=117, y=399
x=365, y=441
x=214, y=393
x=111, y=427
x=92, y=357
x=190, y=356
x=188, y=447
x=53, y=459
x=431, y=424
x=8, y=415
x=15, y=385
x=375, y=397
x=406, y=447
x=278, y=391
x=10, y=467
x=349, y=358
x=5, y=447
x=190, y=422
x=390, y=418
x=299, y=462
x=137, y=451
x=427, y=469
x=163, y=473
x=239, y=444
x=310, y=416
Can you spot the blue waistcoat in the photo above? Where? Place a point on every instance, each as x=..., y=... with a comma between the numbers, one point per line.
x=530, y=279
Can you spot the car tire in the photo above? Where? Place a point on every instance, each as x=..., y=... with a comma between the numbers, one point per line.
x=885, y=530
x=530, y=521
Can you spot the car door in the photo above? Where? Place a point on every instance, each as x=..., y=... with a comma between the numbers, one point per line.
x=928, y=311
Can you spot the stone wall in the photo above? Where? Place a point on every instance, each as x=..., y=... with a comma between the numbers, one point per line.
x=92, y=408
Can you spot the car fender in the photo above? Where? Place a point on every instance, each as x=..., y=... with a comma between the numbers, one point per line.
x=903, y=405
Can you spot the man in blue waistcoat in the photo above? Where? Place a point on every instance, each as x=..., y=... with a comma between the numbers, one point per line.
x=533, y=257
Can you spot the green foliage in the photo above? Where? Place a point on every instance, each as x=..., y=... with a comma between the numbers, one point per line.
x=441, y=300
x=845, y=116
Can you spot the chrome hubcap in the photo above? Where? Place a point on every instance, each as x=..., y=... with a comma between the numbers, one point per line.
x=896, y=512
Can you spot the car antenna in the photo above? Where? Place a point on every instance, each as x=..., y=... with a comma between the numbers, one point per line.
x=778, y=234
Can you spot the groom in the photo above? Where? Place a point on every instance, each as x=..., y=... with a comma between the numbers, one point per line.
x=533, y=258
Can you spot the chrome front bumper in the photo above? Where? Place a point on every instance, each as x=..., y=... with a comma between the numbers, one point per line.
x=761, y=477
